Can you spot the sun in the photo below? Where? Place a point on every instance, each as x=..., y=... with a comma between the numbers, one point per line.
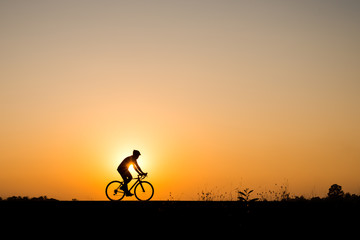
x=131, y=168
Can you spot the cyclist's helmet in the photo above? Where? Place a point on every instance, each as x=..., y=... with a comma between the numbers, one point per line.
x=136, y=153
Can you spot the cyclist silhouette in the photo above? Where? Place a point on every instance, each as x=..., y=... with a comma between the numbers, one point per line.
x=123, y=169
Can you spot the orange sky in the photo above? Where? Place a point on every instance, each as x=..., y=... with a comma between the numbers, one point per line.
x=217, y=95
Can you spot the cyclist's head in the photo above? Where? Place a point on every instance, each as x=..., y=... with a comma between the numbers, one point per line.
x=136, y=153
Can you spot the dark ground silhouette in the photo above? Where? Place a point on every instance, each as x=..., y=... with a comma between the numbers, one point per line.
x=336, y=215
x=174, y=218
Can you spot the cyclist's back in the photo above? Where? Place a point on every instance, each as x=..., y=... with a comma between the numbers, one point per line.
x=125, y=164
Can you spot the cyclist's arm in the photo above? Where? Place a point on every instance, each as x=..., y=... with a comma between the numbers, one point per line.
x=138, y=169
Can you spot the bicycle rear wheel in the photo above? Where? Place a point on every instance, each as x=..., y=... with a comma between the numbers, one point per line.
x=144, y=191
x=113, y=191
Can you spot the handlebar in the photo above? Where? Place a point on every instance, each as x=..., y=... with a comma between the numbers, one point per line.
x=142, y=176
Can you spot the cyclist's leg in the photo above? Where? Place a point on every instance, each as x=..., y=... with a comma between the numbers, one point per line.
x=126, y=175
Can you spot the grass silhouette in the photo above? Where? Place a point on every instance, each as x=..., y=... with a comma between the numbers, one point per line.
x=316, y=215
x=210, y=216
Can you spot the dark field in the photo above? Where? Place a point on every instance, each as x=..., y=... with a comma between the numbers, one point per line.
x=180, y=218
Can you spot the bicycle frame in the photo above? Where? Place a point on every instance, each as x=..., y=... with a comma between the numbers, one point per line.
x=138, y=181
x=144, y=193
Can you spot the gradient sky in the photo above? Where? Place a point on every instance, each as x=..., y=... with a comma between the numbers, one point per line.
x=217, y=95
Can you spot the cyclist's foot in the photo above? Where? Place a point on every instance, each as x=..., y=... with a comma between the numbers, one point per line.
x=129, y=194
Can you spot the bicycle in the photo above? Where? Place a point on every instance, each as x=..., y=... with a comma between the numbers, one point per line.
x=143, y=190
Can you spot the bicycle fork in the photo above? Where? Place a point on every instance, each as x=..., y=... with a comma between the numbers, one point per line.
x=140, y=183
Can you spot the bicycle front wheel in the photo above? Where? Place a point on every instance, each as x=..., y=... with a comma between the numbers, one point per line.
x=144, y=191
x=113, y=191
